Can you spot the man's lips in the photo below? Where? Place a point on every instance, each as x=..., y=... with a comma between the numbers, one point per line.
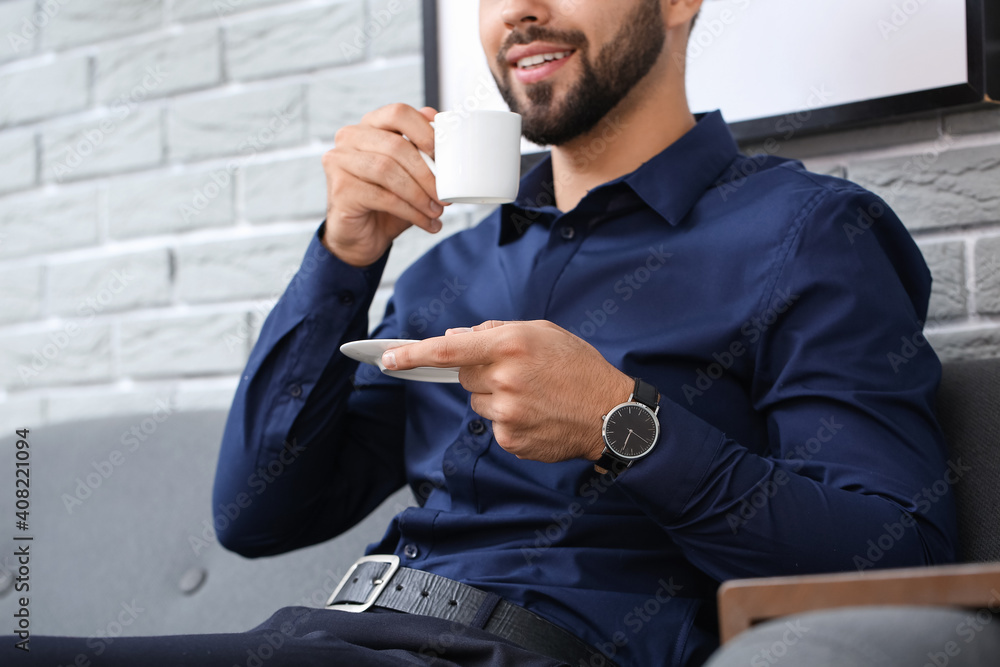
x=536, y=61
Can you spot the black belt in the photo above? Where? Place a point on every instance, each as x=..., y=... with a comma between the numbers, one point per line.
x=379, y=581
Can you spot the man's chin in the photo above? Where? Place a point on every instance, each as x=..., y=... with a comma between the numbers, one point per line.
x=548, y=134
x=539, y=113
x=542, y=115
x=537, y=98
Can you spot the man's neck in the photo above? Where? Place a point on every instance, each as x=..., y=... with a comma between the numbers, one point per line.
x=630, y=135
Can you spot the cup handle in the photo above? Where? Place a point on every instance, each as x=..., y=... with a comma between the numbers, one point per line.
x=429, y=161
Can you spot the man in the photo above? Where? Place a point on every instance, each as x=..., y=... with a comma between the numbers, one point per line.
x=788, y=443
x=757, y=323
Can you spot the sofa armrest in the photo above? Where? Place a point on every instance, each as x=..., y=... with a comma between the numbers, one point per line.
x=744, y=602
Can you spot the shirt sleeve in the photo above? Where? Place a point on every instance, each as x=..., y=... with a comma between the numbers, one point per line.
x=855, y=473
x=306, y=454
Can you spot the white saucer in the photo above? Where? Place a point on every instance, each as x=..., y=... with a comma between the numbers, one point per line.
x=370, y=352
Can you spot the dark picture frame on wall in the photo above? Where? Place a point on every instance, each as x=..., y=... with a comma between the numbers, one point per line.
x=979, y=85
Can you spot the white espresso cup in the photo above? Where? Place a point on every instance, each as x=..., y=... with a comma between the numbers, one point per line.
x=477, y=156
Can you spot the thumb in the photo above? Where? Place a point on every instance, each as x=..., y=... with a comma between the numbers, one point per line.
x=491, y=324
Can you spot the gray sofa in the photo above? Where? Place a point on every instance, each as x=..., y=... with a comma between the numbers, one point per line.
x=123, y=543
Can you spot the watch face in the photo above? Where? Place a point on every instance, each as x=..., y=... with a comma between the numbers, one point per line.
x=631, y=430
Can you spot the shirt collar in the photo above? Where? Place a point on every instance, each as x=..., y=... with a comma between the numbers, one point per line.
x=535, y=202
x=671, y=183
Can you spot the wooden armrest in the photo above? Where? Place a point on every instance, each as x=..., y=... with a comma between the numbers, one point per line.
x=743, y=602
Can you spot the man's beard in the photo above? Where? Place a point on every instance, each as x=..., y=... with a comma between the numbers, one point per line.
x=618, y=68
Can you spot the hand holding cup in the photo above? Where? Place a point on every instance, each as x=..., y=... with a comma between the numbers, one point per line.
x=381, y=178
x=377, y=184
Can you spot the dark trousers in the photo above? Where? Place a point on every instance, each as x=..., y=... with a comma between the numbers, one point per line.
x=292, y=637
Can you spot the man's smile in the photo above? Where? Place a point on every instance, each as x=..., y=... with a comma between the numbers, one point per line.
x=537, y=61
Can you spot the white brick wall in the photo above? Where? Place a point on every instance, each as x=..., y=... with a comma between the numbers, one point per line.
x=124, y=281
x=51, y=89
x=17, y=28
x=306, y=39
x=344, y=96
x=187, y=61
x=241, y=123
x=987, y=275
x=17, y=167
x=20, y=293
x=956, y=186
x=949, y=293
x=249, y=268
x=88, y=21
x=286, y=190
x=182, y=345
x=111, y=142
x=184, y=10
x=170, y=202
x=41, y=221
x=160, y=176
x=52, y=355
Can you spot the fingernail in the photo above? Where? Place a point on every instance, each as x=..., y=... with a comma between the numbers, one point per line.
x=436, y=225
x=437, y=208
x=389, y=359
x=459, y=330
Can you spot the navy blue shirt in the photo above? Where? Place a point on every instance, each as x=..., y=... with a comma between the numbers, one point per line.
x=779, y=313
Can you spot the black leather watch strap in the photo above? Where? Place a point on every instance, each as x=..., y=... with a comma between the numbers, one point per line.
x=611, y=465
x=646, y=394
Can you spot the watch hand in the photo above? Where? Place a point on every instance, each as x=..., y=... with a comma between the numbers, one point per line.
x=638, y=436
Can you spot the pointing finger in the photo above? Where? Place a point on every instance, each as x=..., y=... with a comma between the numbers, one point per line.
x=441, y=352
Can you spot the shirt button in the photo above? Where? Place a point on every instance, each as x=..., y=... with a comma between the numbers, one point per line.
x=295, y=390
x=411, y=551
x=477, y=427
x=567, y=232
x=346, y=298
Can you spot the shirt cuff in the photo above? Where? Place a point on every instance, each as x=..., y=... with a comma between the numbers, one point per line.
x=323, y=277
x=687, y=454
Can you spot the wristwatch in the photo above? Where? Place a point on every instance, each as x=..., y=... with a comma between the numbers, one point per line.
x=630, y=430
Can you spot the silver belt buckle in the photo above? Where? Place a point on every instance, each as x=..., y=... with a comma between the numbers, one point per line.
x=380, y=584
